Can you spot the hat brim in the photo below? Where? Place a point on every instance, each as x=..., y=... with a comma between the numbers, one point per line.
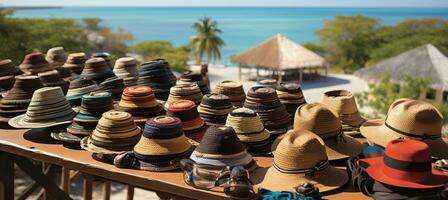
x=328, y=179
x=87, y=144
x=376, y=132
x=375, y=170
x=19, y=122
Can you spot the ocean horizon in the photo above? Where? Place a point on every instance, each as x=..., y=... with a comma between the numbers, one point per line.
x=242, y=27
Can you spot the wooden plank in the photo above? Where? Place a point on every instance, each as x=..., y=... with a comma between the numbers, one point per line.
x=6, y=177
x=88, y=187
x=28, y=191
x=65, y=179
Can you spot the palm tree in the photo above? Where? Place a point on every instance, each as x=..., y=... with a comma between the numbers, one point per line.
x=206, y=40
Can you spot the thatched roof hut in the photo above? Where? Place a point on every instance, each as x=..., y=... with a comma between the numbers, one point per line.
x=425, y=61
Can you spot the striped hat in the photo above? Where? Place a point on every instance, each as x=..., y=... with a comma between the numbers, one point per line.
x=250, y=130
x=194, y=77
x=126, y=67
x=214, y=108
x=97, y=70
x=105, y=56
x=221, y=147
x=272, y=83
x=193, y=125
x=6, y=83
x=7, y=68
x=157, y=74
x=114, y=86
x=291, y=96
x=53, y=79
x=141, y=103
x=162, y=145
x=56, y=57
x=234, y=90
x=75, y=62
x=34, y=63
x=48, y=107
x=185, y=91
x=79, y=87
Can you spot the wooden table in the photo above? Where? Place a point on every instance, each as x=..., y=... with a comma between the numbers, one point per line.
x=17, y=145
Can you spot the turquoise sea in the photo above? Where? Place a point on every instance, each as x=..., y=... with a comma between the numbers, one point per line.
x=243, y=27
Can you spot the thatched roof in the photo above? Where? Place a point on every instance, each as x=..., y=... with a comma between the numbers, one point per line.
x=280, y=52
x=425, y=61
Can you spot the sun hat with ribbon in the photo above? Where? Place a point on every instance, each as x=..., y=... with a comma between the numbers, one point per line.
x=34, y=63
x=412, y=119
x=7, y=68
x=56, y=57
x=105, y=56
x=79, y=87
x=193, y=125
x=53, y=79
x=114, y=86
x=406, y=163
x=75, y=62
x=301, y=157
x=234, y=90
x=126, y=67
x=214, y=109
x=48, y=108
x=250, y=130
x=319, y=119
x=194, y=77
x=185, y=91
x=161, y=146
x=291, y=96
x=97, y=70
x=221, y=147
x=157, y=74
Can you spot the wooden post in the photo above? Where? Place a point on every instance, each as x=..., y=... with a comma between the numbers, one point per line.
x=65, y=179
x=239, y=72
x=258, y=73
x=301, y=75
x=6, y=177
x=130, y=194
x=88, y=187
x=106, y=190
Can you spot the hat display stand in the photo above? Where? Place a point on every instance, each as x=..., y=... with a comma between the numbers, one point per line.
x=157, y=74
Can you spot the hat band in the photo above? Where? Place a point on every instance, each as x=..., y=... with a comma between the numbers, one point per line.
x=420, y=136
x=308, y=171
x=407, y=165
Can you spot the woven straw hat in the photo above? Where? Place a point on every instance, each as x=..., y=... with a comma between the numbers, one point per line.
x=291, y=96
x=6, y=83
x=97, y=70
x=114, y=86
x=75, y=62
x=214, y=108
x=48, y=107
x=234, y=90
x=272, y=83
x=412, y=119
x=79, y=87
x=56, y=57
x=300, y=158
x=53, y=79
x=343, y=103
x=193, y=125
x=186, y=91
x=7, y=68
x=105, y=56
x=157, y=74
x=34, y=63
x=126, y=67
x=194, y=77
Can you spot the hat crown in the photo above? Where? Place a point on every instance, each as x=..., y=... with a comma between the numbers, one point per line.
x=5, y=63
x=46, y=93
x=261, y=90
x=220, y=140
x=79, y=55
x=126, y=61
x=230, y=84
x=300, y=150
x=408, y=150
x=137, y=90
x=316, y=118
x=96, y=61
x=415, y=117
x=340, y=101
x=182, y=104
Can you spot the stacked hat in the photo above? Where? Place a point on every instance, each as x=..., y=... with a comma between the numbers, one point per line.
x=267, y=83
x=161, y=146
x=130, y=81
x=53, y=79
x=56, y=57
x=114, y=86
x=265, y=102
x=214, y=108
x=291, y=96
x=97, y=70
x=250, y=130
x=221, y=147
x=194, y=77
x=343, y=103
x=141, y=103
x=48, y=107
x=185, y=91
x=410, y=119
x=75, y=62
x=234, y=90
x=126, y=67
x=16, y=101
x=115, y=133
x=92, y=107
x=6, y=83
x=319, y=119
x=34, y=63
x=193, y=125
x=79, y=87
x=105, y=56
x=8, y=69
x=301, y=158
x=157, y=74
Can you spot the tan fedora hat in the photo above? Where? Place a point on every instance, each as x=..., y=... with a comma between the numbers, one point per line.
x=320, y=120
x=412, y=119
x=343, y=103
x=301, y=157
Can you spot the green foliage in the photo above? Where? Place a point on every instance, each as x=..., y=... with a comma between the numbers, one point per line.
x=207, y=40
x=316, y=48
x=154, y=49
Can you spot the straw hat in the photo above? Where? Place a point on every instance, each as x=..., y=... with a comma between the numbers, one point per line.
x=250, y=130
x=79, y=87
x=97, y=70
x=114, y=86
x=214, y=108
x=272, y=83
x=105, y=56
x=234, y=90
x=343, y=103
x=194, y=77
x=48, y=107
x=7, y=68
x=34, y=63
x=53, y=79
x=141, y=103
x=115, y=133
x=193, y=125
x=56, y=57
x=407, y=118
x=126, y=67
x=300, y=158
x=157, y=74
x=221, y=147
x=188, y=91
x=162, y=145
x=75, y=62
x=6, y=83
x=319, y=119
x=406, y=164
x=291, y=96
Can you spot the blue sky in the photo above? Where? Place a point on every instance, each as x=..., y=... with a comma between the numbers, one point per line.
x=308, y=3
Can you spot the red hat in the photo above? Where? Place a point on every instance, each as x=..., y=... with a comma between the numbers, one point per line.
x=406, y=163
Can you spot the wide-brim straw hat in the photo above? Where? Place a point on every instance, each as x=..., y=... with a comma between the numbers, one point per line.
x=48, y=107
x=343, y=103
x=412, y=119
x=301, y=157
